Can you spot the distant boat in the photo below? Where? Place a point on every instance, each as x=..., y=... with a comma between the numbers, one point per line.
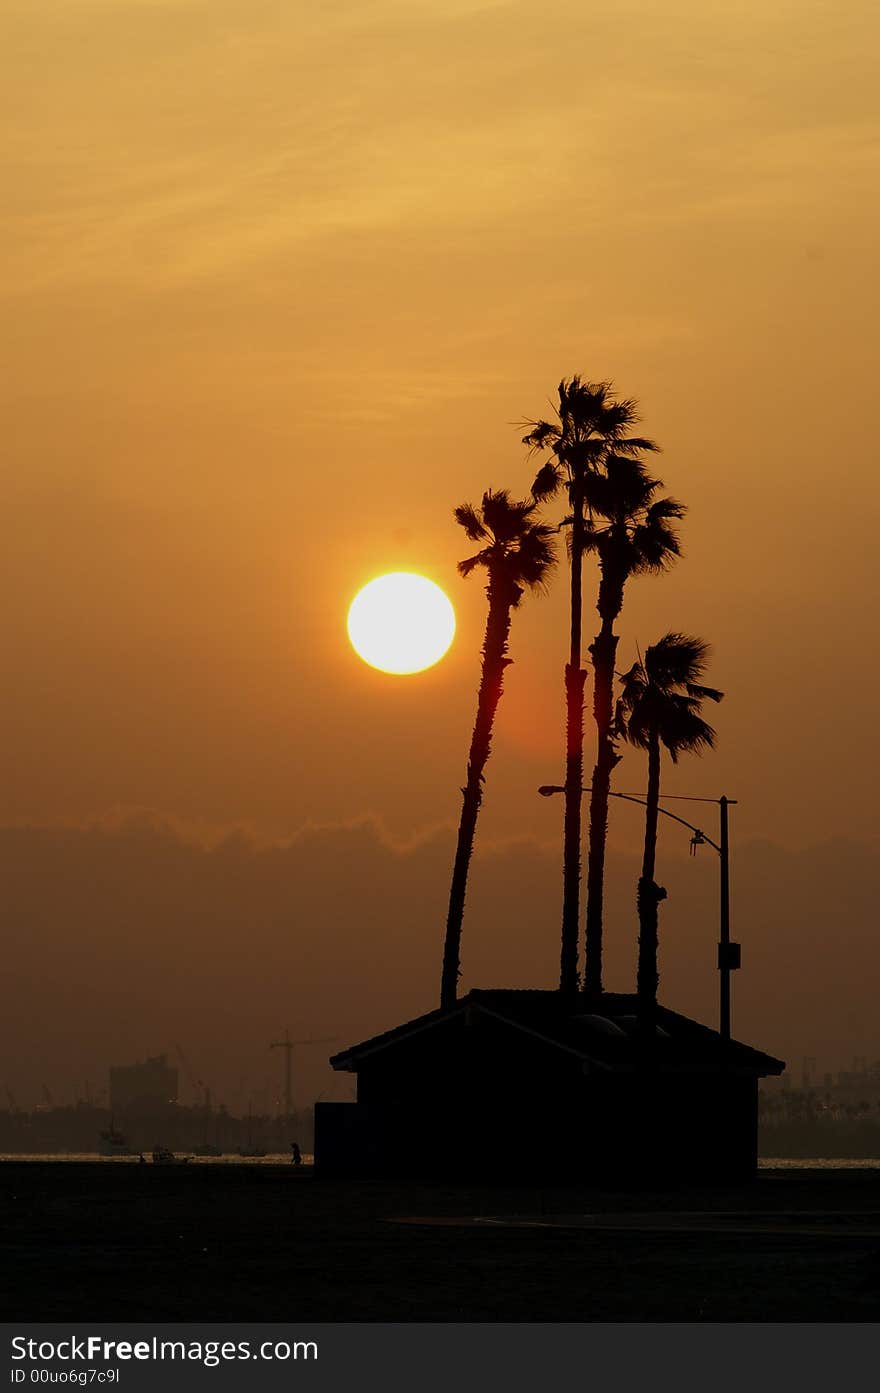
x=113, y=1143
x=163, y=1157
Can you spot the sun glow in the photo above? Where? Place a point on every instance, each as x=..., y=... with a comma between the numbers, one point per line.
x=401, y=623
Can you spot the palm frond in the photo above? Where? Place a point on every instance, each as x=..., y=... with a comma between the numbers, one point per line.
x=676, y=659
x=467, y=517
x=535, y=556
x=614, y=417
x=580, y=455
x=635, y=444
x=589, y=423
x=704, y=693
x=520, y=548
x=540, y=434
x=684, y=732
x=547, y=481
x=654, y=548
x=660, y=697
x=471, y=563
x=666, y=509
x=503, y=517
x=632, y=688
x=624, y=491
x=593, y=538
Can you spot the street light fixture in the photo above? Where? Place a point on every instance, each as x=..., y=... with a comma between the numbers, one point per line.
x=729, y=953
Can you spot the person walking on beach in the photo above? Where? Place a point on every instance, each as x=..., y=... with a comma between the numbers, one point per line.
x=295, y=1154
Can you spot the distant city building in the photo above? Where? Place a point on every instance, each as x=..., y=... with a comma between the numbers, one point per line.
x=144, y=1085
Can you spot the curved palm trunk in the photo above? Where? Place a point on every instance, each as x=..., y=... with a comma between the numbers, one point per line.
x=648, y=899
x=575, y=678
x=501, y=600
x=603, y=650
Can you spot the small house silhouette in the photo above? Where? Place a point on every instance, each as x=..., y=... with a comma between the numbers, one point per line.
x=522, y=1086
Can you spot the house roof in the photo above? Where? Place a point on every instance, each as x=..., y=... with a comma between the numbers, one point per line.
x=605, y=1038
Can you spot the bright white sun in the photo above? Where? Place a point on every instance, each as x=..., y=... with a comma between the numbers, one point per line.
x=401, y=623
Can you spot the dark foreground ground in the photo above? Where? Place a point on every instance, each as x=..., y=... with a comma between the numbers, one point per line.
x=123, y=1242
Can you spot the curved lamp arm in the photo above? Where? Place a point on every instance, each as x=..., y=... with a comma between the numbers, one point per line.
x=546, y=790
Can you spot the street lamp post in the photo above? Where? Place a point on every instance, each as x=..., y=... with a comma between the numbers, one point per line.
x=729, y=953
x=729, y=956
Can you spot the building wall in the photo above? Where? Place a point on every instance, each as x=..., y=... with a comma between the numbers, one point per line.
x=152, y=1082
x=480, y=1102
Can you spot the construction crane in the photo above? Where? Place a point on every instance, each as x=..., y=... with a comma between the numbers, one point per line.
x=287, y=1045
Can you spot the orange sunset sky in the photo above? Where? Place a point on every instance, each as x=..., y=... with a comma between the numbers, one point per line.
x=279, y=281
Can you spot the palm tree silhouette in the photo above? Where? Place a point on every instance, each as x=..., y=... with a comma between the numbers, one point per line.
x=589, y=424
x=660, y=704
x=629, y=530
x=518, y=554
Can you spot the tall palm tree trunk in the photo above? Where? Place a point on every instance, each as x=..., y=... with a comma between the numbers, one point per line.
x=575, y=678
x=603, y=650
x=648, y=898
x=660, y=707
x=502, y=597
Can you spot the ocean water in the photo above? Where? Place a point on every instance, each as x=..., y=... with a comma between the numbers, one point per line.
x=818, y=1163
x=281, y=1158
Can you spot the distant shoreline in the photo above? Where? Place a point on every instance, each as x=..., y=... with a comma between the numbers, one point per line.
x=86, y=1158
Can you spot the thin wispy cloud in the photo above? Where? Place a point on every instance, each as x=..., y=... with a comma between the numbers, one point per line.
x=245, y=138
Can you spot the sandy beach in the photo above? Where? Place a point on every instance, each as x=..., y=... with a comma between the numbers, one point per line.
x=98, y=1241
